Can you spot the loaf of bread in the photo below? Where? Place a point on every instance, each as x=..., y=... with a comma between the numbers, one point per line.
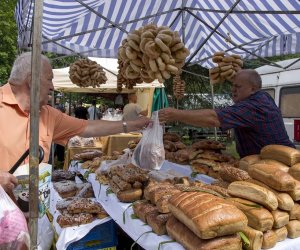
x=159, y=193
x=231, y=174
x=155, y=186
x=163, y=204
x=281, y=218
x=279, y=165
x=70, y=220
x=293, y=229
x=259, y=218
x=142, y=209
x=295, y=212
x=182, y=234
x=272, y=176
x=255, y=237
x=269, y=239
x=285, y=201
x=281, y=233
x=295, y=171
x=295, y=193
x=206, y=215
x=246, y=161
x=253, y=192
x=287, y=155
x=65, y=188
x=84, y=206
x=158, y=222
x=130, y=195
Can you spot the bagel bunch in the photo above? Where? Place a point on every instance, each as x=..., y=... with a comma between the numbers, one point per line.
x=226, y=69
x=178, y=87
x=85, y=73
x=122, y=80
x=151, y=53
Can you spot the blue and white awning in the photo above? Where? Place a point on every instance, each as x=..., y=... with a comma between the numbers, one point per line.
x=97, y=27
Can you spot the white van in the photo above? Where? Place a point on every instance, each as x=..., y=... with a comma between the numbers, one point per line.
x=283, y=84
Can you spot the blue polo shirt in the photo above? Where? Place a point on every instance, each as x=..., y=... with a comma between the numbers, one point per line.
x=256, y=121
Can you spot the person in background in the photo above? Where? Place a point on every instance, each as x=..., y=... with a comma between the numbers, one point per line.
x=132, y=110
x=254, y=116
x=53, y=124
x=93, y=112
x=81, y=111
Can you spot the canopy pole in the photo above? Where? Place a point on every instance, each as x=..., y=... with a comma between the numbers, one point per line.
x=34, y=125
x=183, y=4
x=213, y=106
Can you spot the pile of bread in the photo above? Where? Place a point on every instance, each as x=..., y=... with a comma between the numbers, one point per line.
x=76, y=206
x=151, y=53
x=204, y=156
x=78, y=141
x=270, y=196
x=127, y=182
x=85, y=73
x=93, y=164
x=197, y=220
x=178, y=87
x=226, y=69
x=76, y=211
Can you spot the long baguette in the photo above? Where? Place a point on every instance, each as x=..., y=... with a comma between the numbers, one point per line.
x=272, y=176
x=253, y=192
x=285, y=201
x=182, y=234
x=287, y=155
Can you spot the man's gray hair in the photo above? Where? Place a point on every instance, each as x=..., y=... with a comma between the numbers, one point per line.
x=253, y=77
x=22, y=67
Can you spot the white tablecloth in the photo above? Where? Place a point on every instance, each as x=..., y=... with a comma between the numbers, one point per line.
x=135, y=228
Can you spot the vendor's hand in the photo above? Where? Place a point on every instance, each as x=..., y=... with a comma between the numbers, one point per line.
x=167, y=115
x=138, y=124
x=8, y=181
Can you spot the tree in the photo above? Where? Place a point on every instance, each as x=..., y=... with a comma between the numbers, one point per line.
x=8, y=38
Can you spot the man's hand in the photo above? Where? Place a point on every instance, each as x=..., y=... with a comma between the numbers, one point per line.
x=8, y=181
x=138, y=124
x=167, y=115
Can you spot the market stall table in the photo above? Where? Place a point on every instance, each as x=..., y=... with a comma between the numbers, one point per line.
x=71, y=151
x=118, y=142
x=121, y=213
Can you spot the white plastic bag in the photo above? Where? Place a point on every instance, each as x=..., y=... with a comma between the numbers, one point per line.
x=13, y=225
x=123, y=160
x=150, y=152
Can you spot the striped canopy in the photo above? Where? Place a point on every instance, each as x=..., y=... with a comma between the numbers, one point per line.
x=250, y=28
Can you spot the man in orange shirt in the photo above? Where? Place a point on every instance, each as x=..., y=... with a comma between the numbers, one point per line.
x=53, y=125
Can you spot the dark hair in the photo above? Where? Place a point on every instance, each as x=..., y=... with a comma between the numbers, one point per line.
x=93, y=102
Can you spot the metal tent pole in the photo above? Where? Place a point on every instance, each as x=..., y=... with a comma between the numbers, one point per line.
x=34, y=124
x=213, y=106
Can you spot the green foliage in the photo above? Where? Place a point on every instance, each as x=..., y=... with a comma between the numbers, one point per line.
x=8, y=38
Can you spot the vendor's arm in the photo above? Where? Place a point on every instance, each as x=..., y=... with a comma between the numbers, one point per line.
x=7, y=181
x=199, y=118
x=97, y=128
